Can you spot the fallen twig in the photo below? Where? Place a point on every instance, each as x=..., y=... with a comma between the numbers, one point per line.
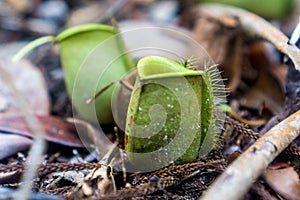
x=243, y=128
x=240, y=175
x=257, y=27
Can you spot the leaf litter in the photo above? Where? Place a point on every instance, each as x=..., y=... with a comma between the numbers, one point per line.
x=229, y=50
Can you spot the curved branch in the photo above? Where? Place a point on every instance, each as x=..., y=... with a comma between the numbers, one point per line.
x=235, y=182
x=257, y=27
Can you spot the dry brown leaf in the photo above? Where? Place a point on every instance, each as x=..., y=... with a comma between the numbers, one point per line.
x=87, y=14
x=174, y=38
x=284, y=181
x=97, y=183
x=30, y=82
x=12, y=144
x=91, y=136
x=221, y=38
x=266, y=89
x=57, y=130
x=94, y=12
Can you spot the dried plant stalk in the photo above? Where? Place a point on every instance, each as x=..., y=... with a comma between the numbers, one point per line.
x=241, y=174
x=259, y=28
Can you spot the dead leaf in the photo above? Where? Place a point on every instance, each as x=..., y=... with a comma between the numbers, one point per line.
x=30, y=81
x=279, y=71
x=94, y=12
x=221, y=38
x=57, y=130
x=91, y=136
x=97, y=183
x=265, y=89
x=12, y=144
x=178, y=41
x=90, y=13
x=10, y=177
x=285, y=182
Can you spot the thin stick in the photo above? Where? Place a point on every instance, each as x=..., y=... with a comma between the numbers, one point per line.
x=257, y=27
x=35, y=153
x=90, y=100
x=243, y=128
x=235, y=182
x=126, y=84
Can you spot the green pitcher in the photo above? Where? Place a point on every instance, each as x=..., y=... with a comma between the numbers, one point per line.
x=170, y=112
